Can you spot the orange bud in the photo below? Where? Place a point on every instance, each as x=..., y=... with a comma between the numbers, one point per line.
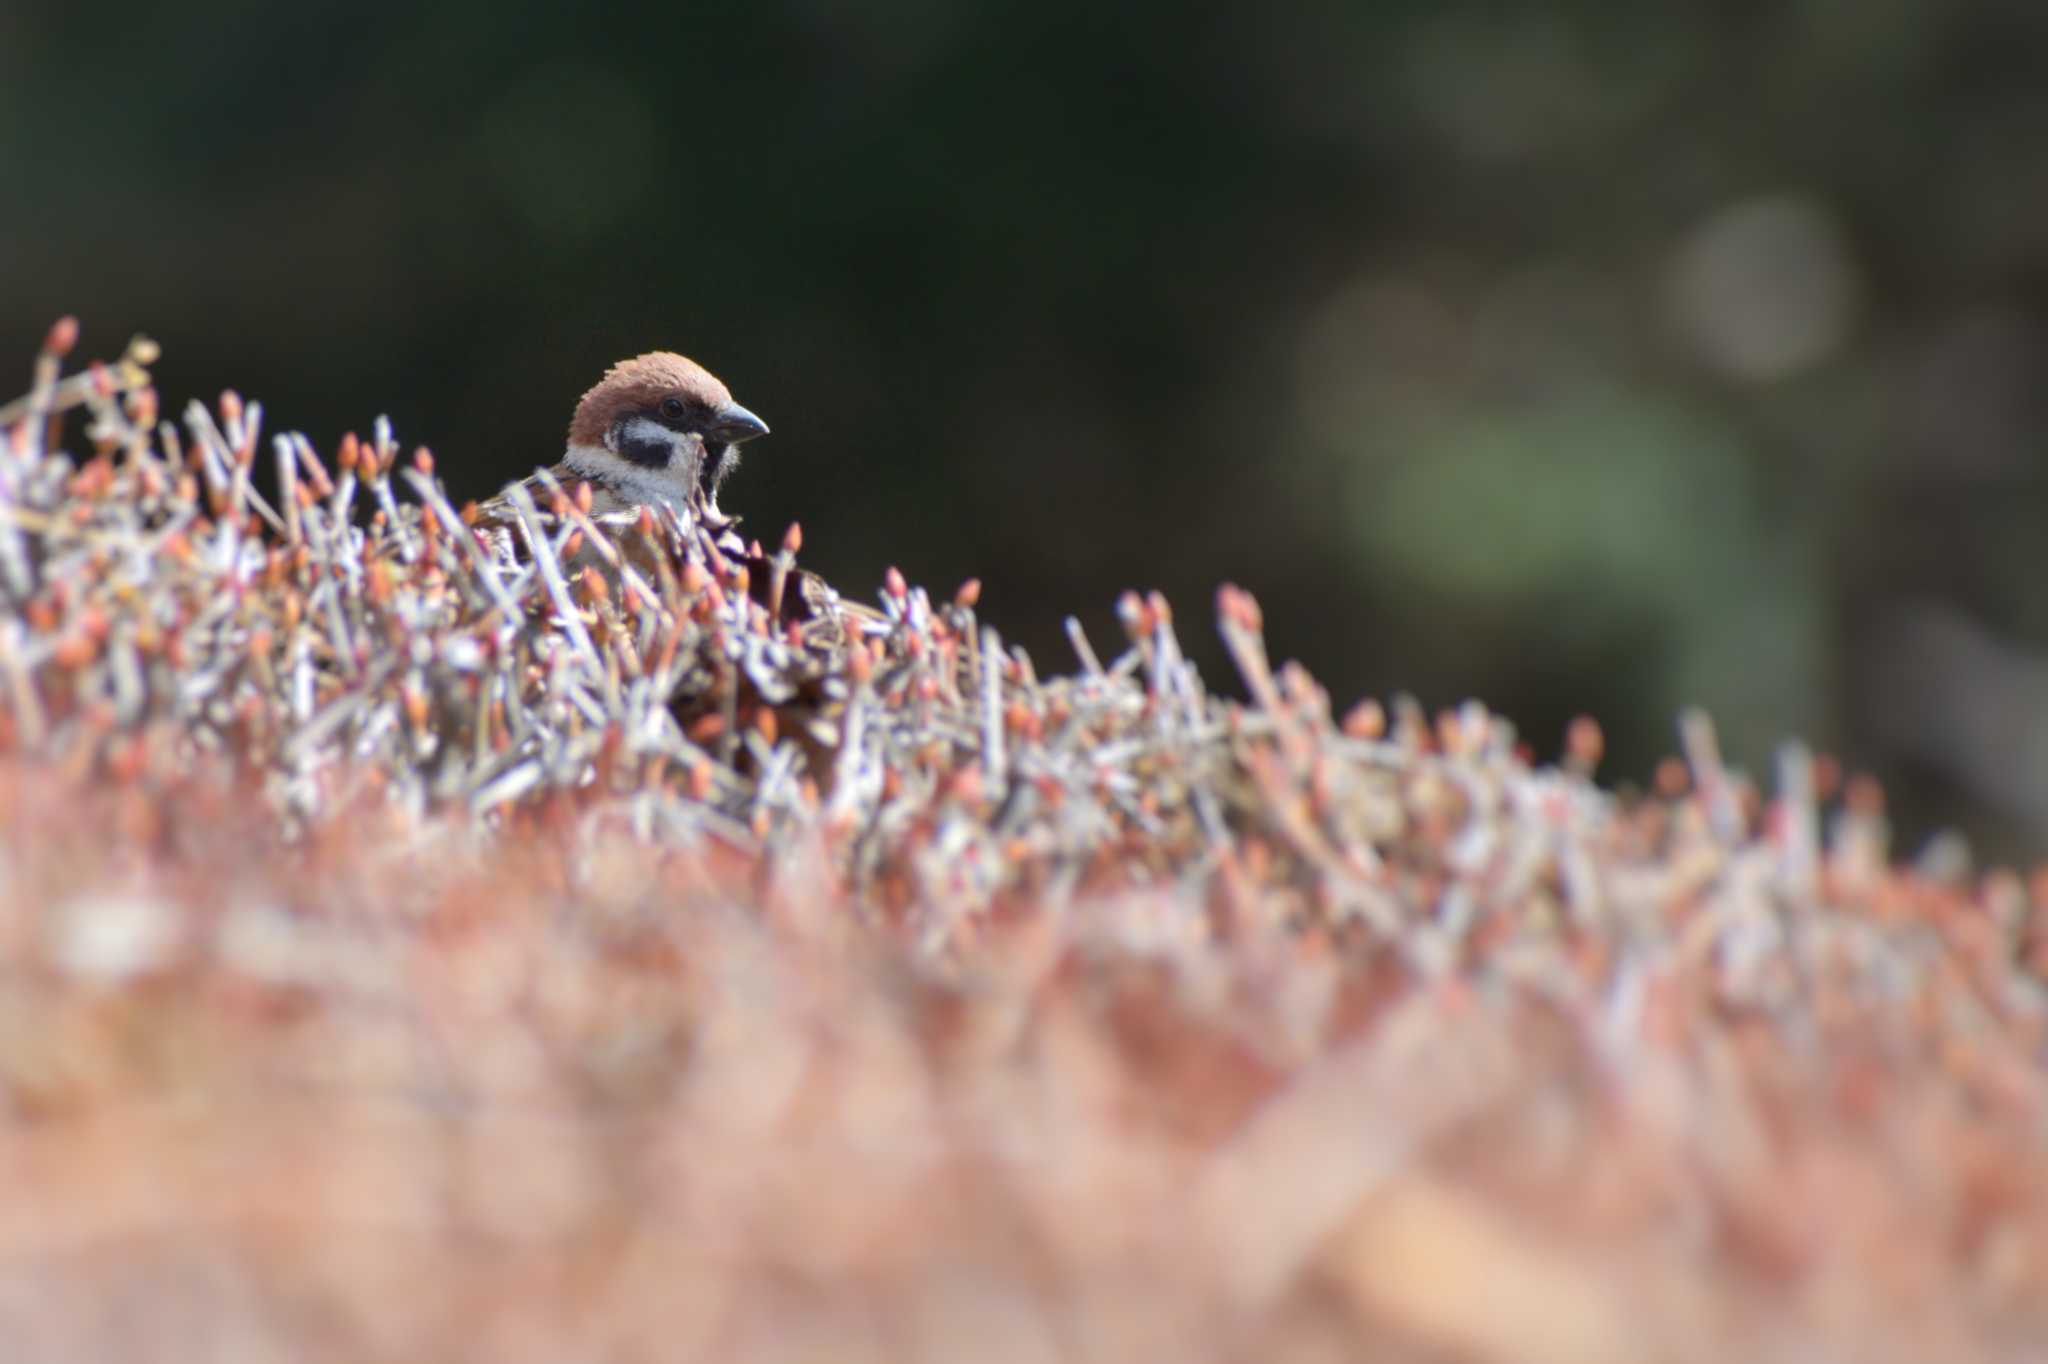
x=1366, y=720
x=73, y=651
x=1130, y=609
x=968, y=595
x=1672, y=778
x=1235, y=606
x=966, y=785
x=62, y=336
x=1583, y=743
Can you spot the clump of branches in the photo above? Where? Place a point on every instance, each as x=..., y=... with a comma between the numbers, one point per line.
x=349, y=629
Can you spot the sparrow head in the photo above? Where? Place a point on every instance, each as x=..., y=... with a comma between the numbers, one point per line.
x=666, y=415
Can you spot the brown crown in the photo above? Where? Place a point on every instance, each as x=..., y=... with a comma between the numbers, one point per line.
x=641, y=383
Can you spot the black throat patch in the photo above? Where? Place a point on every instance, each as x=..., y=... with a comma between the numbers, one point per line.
x=718, y=461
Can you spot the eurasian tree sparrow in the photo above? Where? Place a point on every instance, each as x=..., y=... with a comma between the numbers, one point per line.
x=659, y=429
x=656, y=429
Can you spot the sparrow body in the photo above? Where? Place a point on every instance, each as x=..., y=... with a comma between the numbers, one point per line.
x=661, y=430
x=656, y=429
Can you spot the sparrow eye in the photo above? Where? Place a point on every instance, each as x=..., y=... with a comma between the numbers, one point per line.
x=672, y=408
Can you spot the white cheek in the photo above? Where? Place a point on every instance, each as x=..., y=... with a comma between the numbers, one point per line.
x=628, y=480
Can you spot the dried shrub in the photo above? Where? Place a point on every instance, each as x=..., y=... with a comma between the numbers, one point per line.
x=406, y=956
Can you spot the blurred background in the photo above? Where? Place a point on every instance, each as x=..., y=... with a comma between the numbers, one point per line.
x=1587, y=357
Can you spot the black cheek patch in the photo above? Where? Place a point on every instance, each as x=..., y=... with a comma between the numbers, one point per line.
x=645, y=451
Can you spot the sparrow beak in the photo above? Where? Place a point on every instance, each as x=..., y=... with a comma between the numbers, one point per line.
x=732, y=424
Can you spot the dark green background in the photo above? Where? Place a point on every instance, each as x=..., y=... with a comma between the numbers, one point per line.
x=1588, y=357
